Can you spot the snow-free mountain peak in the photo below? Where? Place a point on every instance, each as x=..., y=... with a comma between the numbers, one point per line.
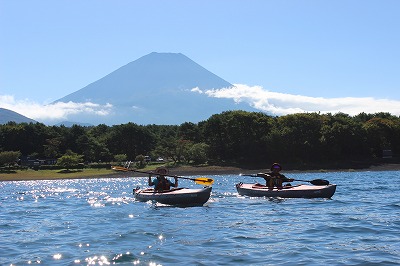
x=154, y=89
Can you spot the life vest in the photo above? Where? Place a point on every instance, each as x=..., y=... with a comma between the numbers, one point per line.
x=275, y=180
x=163, y=184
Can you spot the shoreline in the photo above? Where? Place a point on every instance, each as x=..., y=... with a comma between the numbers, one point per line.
x=231, y=170
x=201, y=171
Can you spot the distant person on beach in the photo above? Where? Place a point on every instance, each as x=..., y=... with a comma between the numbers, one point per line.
x=161, y=183
x=275, y=178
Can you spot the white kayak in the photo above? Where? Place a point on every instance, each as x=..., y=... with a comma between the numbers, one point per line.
x=176, y=196
x=299, y=191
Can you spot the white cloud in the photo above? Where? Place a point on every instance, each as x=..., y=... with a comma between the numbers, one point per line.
x=273, y=103
x=276, y=103
x=52, y=112
x=197, y=89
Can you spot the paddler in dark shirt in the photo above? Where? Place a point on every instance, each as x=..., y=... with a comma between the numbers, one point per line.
x=274, y=178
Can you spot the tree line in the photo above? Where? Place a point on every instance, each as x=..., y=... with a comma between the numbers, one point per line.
x=231, y=137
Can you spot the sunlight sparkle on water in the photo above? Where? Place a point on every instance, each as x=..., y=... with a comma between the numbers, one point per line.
x=102, y=260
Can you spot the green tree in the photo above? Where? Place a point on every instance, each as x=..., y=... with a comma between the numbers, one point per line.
x=299, y=136
x=26, y=138
x=52, y=147
x=380, y=134
x=198, y=153
x=167, y=148
x=130, y=139
x=237, y=135
x=140, y=160
x=69, y=160
x=189, y=131
x=341, y=137
x=120, y=158
x=78, y=140
x=100, y=152
x=9, y=157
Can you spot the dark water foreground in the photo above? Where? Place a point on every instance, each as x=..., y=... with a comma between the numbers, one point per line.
x=97, y=222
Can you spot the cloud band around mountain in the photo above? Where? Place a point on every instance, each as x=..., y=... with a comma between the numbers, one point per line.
x=52, y=112
x=276, y=103
x=273, y=103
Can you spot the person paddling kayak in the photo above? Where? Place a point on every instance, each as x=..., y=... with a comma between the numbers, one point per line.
x=161, y=183
x=275, y=178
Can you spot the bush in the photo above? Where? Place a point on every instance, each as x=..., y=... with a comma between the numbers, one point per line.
x=50, y=167
x=9, y=157
x=70, y=160
x=100, y=165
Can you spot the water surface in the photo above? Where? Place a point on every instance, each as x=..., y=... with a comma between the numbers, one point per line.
x=98, y=222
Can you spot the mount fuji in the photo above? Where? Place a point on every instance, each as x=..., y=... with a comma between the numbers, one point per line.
x=157, y=88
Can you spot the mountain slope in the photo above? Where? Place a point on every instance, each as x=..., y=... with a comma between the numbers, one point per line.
x=8, y=115
x=155, y=89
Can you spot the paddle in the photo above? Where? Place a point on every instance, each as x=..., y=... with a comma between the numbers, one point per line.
x=200, y=180
x=315, y=182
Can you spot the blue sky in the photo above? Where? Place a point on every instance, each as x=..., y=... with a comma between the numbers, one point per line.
x=299, y=56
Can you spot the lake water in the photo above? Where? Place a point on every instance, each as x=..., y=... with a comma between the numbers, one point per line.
x=98, y=222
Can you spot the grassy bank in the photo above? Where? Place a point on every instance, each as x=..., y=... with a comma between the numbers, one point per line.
x=181, y=170
x=29, y=174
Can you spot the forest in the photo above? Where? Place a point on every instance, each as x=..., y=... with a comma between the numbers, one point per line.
x=228, y=138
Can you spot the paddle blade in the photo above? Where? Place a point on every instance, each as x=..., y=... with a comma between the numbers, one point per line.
x=204, y=181
x=319, y=182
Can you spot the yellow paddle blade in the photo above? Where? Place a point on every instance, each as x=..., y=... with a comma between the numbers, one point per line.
x=204, y=181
